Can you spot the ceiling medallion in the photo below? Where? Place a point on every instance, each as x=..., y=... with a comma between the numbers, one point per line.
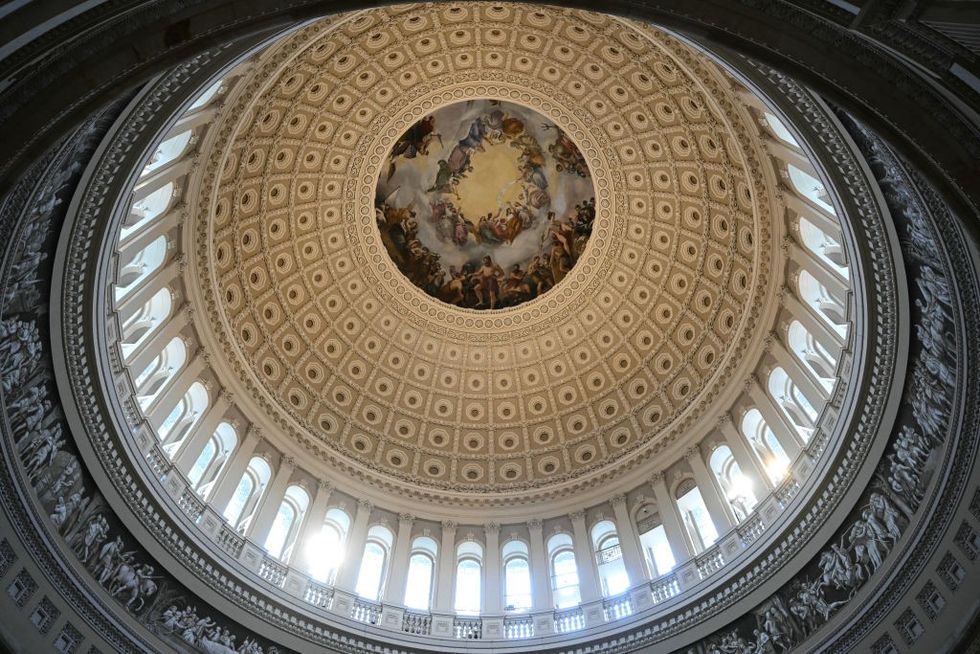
x=485, y=204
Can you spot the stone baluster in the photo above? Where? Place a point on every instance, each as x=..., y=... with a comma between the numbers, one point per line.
x=629, y=541
x=542, y=597
x=588, y=575
x=347, y=577
x=670, y=517
x=447, y=566
x=265, y=514
x=395, y=589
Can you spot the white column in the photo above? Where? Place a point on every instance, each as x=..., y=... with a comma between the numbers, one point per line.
x=347, y=577
x=161, y=176
x=629, y=542
x=148, y=286
x=141, y=356
x=748, y=462
x=588, y=576
x=785, y=433
x=312, y=524
x=397, y=579
x=492, y=591
x=147, y=233
x=814, y=213
x=542, y=599
x=830, y=278
x=801, y=375
x=814, y=324
x=258, y=529
x=232, y=474
x=447, y=566
x=718, y=507
x=677, y=536
x=191, y=448
x=167, y=399
x=196, y=118
x=789, y=154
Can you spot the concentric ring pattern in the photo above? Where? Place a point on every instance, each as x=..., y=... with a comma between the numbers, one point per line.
x=368, y=372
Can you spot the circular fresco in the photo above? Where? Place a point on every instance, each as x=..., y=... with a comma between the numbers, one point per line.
x=485, y=204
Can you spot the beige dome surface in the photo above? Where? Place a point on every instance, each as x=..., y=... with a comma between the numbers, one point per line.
x=332, y=344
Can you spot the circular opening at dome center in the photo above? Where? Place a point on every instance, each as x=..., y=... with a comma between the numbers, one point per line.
x=485, y=204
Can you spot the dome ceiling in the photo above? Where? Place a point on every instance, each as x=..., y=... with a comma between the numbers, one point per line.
x=333, y=338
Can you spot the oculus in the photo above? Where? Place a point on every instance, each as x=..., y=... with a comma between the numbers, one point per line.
x=485, y=204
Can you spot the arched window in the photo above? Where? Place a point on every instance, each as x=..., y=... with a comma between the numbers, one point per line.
x=826, y=248
x=147, y=209
x=469, y=577
x=779, y=129
x=181, y=420
x=812, y=354
x=143, y=264
x=564, y=571
x=653, y=539
x=205, y=98
x=609, y=558
x=824, y=304
x=695, y=514
x=159, y=371
x=736, y=487
x=246, y=497
x=517, y=576
x=810, y=187
x=286, y=525
x=374, y=563
x=792, y=402
x=169, y=150
x=326, y=550
x=421, y=570
x=146, y=320
x=212, y=458
x=766, y=446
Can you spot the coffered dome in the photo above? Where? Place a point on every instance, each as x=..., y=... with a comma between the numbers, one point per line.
x=630, y=346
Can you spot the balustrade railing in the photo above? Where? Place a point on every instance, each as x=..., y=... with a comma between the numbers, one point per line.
x=190, y=503
x=569, y=620
x=518, y=627
x=364, y=611
x=611, y=553
x=272, y=571
x=318, y=595
x=709, y=562
x=419, y=624
x=617, y=607
x=229, y=540
x=468, y=628
x=665, y=587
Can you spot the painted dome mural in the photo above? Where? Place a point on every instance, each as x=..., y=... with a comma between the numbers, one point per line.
x=485, y=204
